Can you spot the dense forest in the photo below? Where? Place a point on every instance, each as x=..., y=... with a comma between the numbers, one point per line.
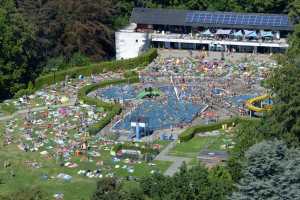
x=40, y=34
x=43, y=35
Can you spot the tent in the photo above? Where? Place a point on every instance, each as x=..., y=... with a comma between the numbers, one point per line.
x=207, y=33
x=223, y=32
x=250, y=34
x=267, y=34
x=64, y=99
x=238, y=34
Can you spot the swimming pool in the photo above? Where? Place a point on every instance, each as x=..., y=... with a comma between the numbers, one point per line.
x=161, y=115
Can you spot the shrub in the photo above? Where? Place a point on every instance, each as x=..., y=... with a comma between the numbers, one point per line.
x=78, y=59
x=56, y=63
x=23, y=92
x=190, y=132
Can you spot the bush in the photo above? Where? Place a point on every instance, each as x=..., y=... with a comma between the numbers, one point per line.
x=190, y=132
x=23, y=92
x=57, y=63
x=102, y=67
x=78, y=59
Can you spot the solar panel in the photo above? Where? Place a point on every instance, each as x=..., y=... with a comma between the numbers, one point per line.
x=237, y=19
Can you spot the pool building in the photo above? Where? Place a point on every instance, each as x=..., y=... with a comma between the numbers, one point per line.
x=202, y=30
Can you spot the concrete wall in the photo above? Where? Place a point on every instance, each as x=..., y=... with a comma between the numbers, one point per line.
x=130, y=44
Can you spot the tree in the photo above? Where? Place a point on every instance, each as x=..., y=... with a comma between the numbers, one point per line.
x=33, y=193
x=270, y=6
x=18, y=61
x=189, y=184
x=156, y=186
x=246, y=135
x=67, y=27
x=294, y=49
x=107, y=189
x=220, y=178
x=283, y=121
x=78, y=59
x=294, y=11
x=271, y=172
x=132, y=191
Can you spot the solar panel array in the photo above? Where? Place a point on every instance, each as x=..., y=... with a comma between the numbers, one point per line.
x=237, y=19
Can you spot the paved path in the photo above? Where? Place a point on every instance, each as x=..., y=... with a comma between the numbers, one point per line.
x=177, y=161
x=35, y=109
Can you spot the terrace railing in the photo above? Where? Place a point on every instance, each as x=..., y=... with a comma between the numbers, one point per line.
x=214, y=38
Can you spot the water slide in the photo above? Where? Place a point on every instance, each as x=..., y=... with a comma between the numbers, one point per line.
x=250, y=104
x=175, y=88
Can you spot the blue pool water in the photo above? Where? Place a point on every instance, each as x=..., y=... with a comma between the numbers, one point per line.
x=161, y=116
x=158, y=115
x=217, y=91
x=123, y=92
x=240, y=99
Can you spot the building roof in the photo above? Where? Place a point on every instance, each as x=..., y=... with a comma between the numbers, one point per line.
x=208, y=19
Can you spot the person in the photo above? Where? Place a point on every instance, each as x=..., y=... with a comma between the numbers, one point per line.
x=6, y=164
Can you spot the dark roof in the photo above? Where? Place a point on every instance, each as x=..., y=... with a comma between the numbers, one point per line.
x=210, y=19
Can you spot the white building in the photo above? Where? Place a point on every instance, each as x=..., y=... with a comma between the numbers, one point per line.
x=129, y=43
x=215, y=31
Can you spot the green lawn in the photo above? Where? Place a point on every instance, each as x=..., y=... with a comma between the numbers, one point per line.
x=26, y=176
x=7, y=108
x=144, y=169
x=162, y=143
x=195, y=145
x=78, y=188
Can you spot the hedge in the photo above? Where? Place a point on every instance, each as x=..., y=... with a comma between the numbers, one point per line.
x=190, y=132
x=102, y=67
x=111, y=109
x=23, y=92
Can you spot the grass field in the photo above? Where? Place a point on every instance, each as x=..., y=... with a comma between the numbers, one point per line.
x=80, y=187
x=192, y=147
x=7, y=108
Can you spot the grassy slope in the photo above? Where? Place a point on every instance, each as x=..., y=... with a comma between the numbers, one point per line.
x=79, y=188
x=192, y=147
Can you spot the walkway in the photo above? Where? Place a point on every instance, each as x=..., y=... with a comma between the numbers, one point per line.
x=177, y=161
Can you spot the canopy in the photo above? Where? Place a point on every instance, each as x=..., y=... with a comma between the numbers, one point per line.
x=238, y=34
x=207, y=33
x=223, y=32
x=250, y=33
x=267, y=34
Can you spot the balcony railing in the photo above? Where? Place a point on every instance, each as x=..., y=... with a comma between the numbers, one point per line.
x=216, y=38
